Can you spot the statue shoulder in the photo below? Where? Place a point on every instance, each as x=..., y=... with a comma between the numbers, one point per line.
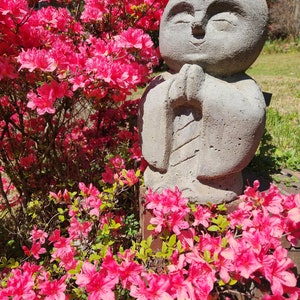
x=164, y=76
x=157, y=81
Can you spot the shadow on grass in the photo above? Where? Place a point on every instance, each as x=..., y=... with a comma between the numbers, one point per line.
x=263, y=165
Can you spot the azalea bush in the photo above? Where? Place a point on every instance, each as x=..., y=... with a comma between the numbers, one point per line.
x=206, y=252
x=67, y=69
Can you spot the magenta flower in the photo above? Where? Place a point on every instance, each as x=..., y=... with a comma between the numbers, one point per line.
x=246, y=261
x=38, y=234
x=156, y=288
x=167, y=201
x=35, y=250
x=47, y=95
x=54, y=290
x=21, y=285
x=98, y=284
x=276, y=269
x=37, y=59
x=202, y=216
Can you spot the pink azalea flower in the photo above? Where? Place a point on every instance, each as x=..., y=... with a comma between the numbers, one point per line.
x=54, y=290
x=55, y=236
x=202, y=277
x=110, y=265
x=65, y=255
x=176, y=222
x=89, y=190
x=37, y=59
x=21, y=285
x=167, y=201
x=98, y=284
x=15, y=8
x=35, y=250
x=202, y=216
x=272, y=200
x=135, y=38
x=129, y=270
x=246, y=261
x=93, y=204
x=187, y=238
x=264, y=222
x=241, y=218
x=47, y=94
x=179, y=287
x=42, y=105
x=294, y=214
x=276, y=269
x=93, y=10
x=129, y=177
x=38, y=234
x=159, y=221
x=77, y=229
x=156, y=288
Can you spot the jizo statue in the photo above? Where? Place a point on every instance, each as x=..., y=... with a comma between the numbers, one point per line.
x=202, y=121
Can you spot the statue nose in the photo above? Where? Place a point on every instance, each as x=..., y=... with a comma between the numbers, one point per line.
x=198, y=29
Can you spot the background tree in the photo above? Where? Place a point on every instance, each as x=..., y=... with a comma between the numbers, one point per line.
x=284, y=19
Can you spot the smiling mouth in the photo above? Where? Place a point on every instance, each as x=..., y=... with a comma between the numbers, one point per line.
x=197, y=44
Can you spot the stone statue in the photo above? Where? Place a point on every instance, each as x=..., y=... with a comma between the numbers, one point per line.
x=201, y=122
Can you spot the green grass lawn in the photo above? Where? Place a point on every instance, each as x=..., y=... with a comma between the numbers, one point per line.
x=279, y=74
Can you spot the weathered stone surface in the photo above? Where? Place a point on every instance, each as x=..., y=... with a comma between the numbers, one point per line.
x=201, y=122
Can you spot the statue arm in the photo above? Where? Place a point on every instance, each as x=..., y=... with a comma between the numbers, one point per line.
x=155, y=123
x=157, y=111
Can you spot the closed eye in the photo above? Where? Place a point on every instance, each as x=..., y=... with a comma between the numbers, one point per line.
x=224, y=21
x=182, y=18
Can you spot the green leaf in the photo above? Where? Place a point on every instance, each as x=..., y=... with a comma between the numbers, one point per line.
x=221, y=282
x=3, y=262
x=164, y=247
x=60, y=210
x=149, y=241
x=61, y=218
x=12, y=263
x=10, y=242
x=213, y=228
x=206, y=256
x=150, y=227
x=232, y=281
x=172, y=240
x=94, y=257
x=224, y=242
x=221, y=207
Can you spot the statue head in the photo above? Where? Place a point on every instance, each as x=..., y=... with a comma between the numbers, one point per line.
x=224, y=37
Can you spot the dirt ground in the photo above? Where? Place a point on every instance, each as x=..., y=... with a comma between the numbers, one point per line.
x=287, y=181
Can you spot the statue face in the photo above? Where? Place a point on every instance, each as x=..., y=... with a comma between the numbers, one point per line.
x=224, y=37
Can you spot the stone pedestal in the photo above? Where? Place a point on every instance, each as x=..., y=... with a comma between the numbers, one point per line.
x=145, y=217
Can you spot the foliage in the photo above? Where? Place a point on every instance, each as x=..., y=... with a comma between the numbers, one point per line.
x=284, y=19
x=287, y=153
x=280, y=145
x=66, y=71
x=206, y=252
x=281, y=46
